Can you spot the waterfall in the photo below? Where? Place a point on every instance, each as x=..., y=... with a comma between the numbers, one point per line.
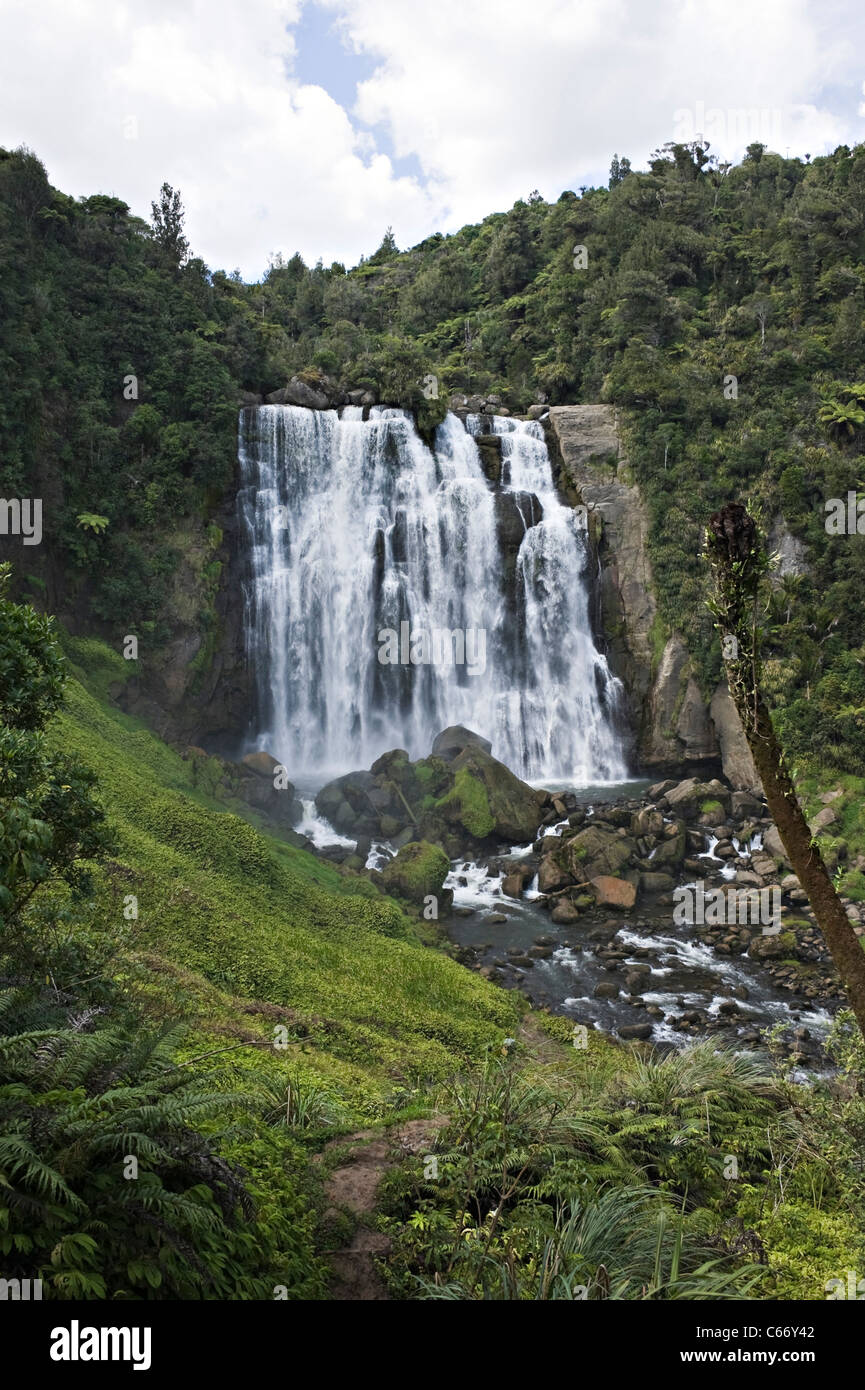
x=353, y=529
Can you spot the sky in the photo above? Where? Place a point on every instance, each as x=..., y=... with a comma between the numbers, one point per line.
x=313, y=125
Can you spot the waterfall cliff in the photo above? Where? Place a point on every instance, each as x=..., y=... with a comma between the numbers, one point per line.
x=393, y=590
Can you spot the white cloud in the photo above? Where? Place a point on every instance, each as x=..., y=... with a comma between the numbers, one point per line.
x=493, y=97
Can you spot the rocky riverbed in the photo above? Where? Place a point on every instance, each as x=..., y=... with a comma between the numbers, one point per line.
x=591, y=921
x=640, y=909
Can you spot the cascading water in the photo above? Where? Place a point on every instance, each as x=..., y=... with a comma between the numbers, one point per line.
x=354, y=529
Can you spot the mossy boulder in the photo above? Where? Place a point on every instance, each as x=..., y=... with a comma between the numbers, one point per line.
x=778, y=947
x=490, y=801
x=418, y=871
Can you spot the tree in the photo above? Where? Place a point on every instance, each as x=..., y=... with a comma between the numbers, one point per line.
x=387, y=250
x=736, y=554
x=167, y=217
x=49, y=819
x=619, y=170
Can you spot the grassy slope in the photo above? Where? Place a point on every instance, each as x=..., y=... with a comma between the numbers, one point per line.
x=228, y=915
x=238, y=932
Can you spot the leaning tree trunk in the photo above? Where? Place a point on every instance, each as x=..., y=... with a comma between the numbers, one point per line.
x=736, y=554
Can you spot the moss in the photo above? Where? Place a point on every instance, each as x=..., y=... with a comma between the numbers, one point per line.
x=419, y=870
x=711, y=808
x=469, y=801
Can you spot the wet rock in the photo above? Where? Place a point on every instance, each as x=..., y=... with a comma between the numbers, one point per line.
x=636, y=981
x=596, y=851
x=653, y=883
x=614, y=892
x=564, y=913
x=637, y=1032
x=451, y=741
x=606, y=989
x=551, y=876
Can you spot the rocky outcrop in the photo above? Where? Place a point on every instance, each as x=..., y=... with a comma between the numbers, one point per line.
x=673, y=725
x=677, y=729
x=298, y=392
x=736, y=757
x=669, y=715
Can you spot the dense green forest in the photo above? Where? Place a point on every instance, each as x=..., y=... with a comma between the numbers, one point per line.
x=722, y=308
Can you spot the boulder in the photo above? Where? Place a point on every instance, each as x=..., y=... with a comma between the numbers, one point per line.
x=736, y=758
x=564, y=913
x=606, y=989
x=772, y=947
x=417, y=871
x=595, y=851
x=489, y=800
x=297, y=392
x=635, y=1032
x=614, y=892
x=347, y=803
x=512, y=885
x=451, y=742
x=773, y=845
x=262, y=764
x=656, y=883
x=744, y=804
x=671, y=850
x=647, y=821
x=691, y=793
x=551, y=876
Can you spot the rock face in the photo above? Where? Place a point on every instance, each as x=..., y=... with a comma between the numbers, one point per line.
x=736, y=757
x=672, y=724
x=669, y=716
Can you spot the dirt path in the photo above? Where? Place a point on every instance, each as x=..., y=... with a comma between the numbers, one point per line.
x=354, y=1187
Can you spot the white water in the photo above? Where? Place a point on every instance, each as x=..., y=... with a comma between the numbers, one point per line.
x=351, y=527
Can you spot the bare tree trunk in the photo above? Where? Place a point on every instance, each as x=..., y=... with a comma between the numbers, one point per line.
x=736, y=554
